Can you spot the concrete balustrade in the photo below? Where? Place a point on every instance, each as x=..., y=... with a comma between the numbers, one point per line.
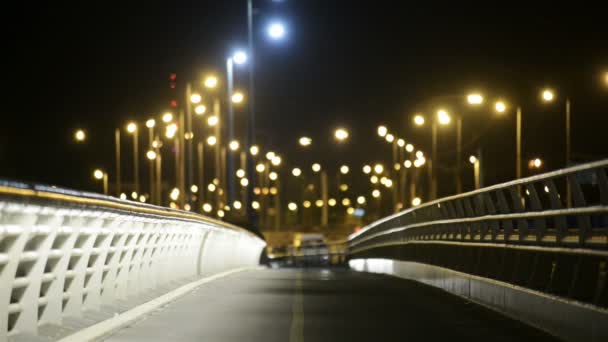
x=64, y=253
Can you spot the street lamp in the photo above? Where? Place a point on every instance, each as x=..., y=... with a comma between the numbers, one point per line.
x=476, y=171
x=341, y=134
x=547, y=95
x=200, y=109
x=167, y=117
x=443, y=117
x=195, y=98
x=212, y=140
x=212, y=121
x=475, y=99
x=132, y=129
x=100, y=175
x=210, y=82
x=316, y=167
x=276, y=30
x=416, y=201
x=378, y=168
x=344, y=169
x=80, y=136
x=305, y=141
x=500, y=107
x=237, y=97
x=367, y=169
x=382, y=131
x=535, y=163
x=296, y=172
x=234, y=145
x=419, y=120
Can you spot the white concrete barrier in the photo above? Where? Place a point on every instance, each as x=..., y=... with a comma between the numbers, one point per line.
x=63, y=253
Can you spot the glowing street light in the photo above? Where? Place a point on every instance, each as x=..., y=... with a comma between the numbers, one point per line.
x=210, y=82
x=407, y=164
x=212, y=120
x=296, y=172
x=443, y=117
x=305, y=141
x=200, y=109
x=212, y=140
x=167, y=117
x=316, y=167
x=276, y=161
x=376, y=193
x=500, y=107
x=378, y=168
x=344, y=169
x=195, y=98
x=276, y=30
x=240, y=173
x=341, y=134
x=273, y=176
x=98, y=174
x=416, y=201
x=535, y=163
x=409, y=148
x=260, y=168
x=547, y=95
x=207, y=208
x=382, y=131
x=244, y=182
x=418, y=120
x=237, y=97
x=79, y=135
x=292, y=206
x=400, y=142
x=361, y=200
x=151, y=123
x=254, y=150
x=239, y=57
x=270, y=155
x=151, y=155
x=390, y=138
x=131, y=127
x=475, y=99
x=234, y=145
x=473, y=159
x=367, y=169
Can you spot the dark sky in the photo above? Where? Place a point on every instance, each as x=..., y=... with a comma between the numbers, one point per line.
x=350, y=63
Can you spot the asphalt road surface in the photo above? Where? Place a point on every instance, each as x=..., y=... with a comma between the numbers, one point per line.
x=322, y=305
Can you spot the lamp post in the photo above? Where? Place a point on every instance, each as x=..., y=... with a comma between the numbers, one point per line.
x=100, y=175
x=117, y=158
x=239, y=57
x=132, y=129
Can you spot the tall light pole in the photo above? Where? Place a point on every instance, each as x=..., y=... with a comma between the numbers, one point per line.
x=239, y=57
x=117, y=156
x=100, y=175
x=132, y=128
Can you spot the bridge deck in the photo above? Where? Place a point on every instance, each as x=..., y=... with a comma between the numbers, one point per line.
x=322, y=305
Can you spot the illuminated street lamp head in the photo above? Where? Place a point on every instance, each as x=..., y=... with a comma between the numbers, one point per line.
x=237, y=97
x=367, y=169
x=212, y=140
x=200, y=109
x=382, y=131
x=292, y=206
x=151, y=123
x=131, y=127
x=443, y=117
x=473, y=159
x=547, y=95
x=270, y=155
x=276, y=30
x=376, y=193
x=535, y=163
x=244, y=182
x=276, y=161
x=400, y=142
x=167, y=117
x=80, y=136
x=390, y=138
x=210, y=82
x=260, y=167
x=239, y=57
x=475, y=99
x=273, y=176
x=416, y=201
x=195, y=98
x=378, y=168
x=254, y=150
x=305, y=141
x=407, y=164
x=341, y=134
x=419, y=154
x=344, y=169
x=296, y=172
x=500, y=107
x=409, y=148
x=361, y=200
x=234, y=145
x=418, y=120
x=316, y=167
x=151, y=155
x=240, y=173
x=212, y=120
x=98, y=174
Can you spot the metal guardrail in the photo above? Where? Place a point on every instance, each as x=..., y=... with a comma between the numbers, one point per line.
x=63, y=252
x=529, y=211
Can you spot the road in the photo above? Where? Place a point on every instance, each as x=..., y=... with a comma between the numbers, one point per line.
x=322, y=305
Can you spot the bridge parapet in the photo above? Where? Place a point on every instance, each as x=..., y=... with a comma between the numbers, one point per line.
x=64, y=252
x=534, y=248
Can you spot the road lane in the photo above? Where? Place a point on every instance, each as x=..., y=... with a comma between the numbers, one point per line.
x=322, y=305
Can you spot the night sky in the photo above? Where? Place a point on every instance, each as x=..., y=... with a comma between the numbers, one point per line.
x=351, y=63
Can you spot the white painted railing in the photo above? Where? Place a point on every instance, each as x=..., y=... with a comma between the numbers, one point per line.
x=64, y=252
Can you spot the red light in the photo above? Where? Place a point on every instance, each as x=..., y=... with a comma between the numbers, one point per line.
x=357, y=229
x=172, y=85
x=172, y=76
x=173, y=103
